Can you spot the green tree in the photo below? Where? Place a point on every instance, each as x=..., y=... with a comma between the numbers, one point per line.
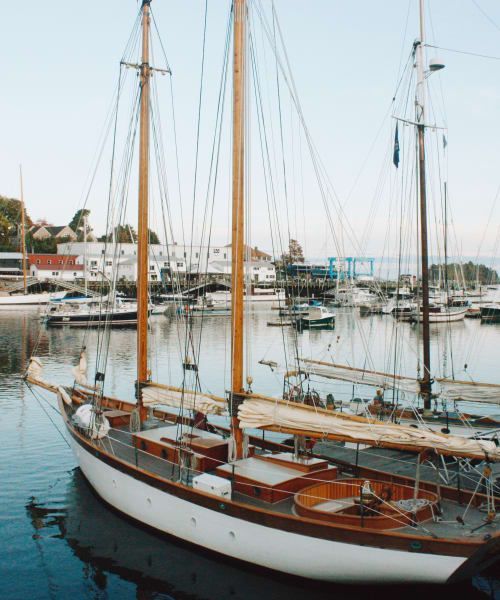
x=5, y=233
x=125, y=234
x=295, y=253
x=77, y=220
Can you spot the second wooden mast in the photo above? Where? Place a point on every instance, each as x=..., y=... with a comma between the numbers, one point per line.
x=142, y=227
x=238, y=213
x=425, y=381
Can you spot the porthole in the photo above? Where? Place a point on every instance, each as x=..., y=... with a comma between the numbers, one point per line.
x=232, y=535
x=193, y=521
x=143, y=445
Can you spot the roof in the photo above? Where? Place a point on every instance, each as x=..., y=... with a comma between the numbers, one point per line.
x=54, y=230
x=254, y=252
x=61, y=261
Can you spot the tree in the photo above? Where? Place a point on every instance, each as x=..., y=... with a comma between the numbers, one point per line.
x=77, y=220
x=295, y=253
x=10, y=223
x=5, y=233
x=125, y=234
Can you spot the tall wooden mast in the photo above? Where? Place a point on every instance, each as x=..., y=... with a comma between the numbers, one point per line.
x=142, y=229
x=238, y=211
x=425, y=382
x=23, y=231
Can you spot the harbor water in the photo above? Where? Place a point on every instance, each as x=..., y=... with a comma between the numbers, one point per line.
x=58, y=540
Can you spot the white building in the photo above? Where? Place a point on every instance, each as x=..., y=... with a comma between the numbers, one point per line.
x=106, y=259
x=255, y=271
x=67, y=267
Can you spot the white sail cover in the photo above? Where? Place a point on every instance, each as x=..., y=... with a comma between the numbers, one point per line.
x=163, y=394
x=80, y=372
x=362, y=376
x=34, y=374
x=447, y=389
x=472, y=391
x=259, y=411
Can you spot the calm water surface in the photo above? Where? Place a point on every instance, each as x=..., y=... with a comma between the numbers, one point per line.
x=57, y=540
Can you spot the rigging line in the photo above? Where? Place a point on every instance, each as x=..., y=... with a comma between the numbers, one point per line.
x=273, y=10
x=263, y=138
x=198, y=125
x=214, y=168
x=485, y=14
x=456, y=51
x=38, y=399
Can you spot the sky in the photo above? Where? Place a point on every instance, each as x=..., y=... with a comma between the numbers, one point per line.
x=60, y=63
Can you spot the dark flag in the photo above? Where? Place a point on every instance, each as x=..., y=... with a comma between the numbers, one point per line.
x=395, y=156
x=445, y=141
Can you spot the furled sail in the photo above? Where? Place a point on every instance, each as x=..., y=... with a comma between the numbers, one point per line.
x=447, y=389
x=289, y=417
x=472, y=391
x=362, y=376
x=34, y=375
x=80, y=372
x=156, y=393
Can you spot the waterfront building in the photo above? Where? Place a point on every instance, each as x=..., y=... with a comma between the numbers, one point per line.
x=11, y=265
x=56, y=266
x=44, y=232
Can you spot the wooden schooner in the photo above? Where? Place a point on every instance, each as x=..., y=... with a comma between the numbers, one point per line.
x=235, y=494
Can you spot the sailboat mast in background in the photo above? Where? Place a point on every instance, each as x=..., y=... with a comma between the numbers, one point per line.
x=425, y=382
x=23, y=231
x=142, y=229
x=238, y=210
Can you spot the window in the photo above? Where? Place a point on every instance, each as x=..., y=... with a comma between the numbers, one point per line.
x=179, y=264
x=151, y=267
x=161, y=253
x=197, y=255
x=38, y=261
x=93, y=263
x=154, y=278
x=60, y=262
x=216, y=250
x=74, y=274
x=225, y=255
x=185, y=255
x=167, y=264
x=102, y=251
x=123, y=252
x=70, y=262
x=109, y=263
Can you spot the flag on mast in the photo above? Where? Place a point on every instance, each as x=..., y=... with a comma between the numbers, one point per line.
x=395, y=156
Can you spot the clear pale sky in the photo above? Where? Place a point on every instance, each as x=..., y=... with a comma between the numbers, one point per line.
x=59, y=69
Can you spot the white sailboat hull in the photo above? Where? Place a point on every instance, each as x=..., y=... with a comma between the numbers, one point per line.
x=29, y=299
x=256, y=544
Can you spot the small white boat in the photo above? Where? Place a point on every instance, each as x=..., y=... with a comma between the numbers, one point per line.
x=438, y=314
x=317, y=316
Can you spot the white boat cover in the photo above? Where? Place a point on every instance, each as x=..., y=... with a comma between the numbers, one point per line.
x=447, y=389
x=80, y=372
x=155, y=393
x=471, y=391
x=263, y=412
x=34, y=374
x=362, y=376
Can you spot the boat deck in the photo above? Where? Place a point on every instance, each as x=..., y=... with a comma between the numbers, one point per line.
x=404, y=463
x=451, y=524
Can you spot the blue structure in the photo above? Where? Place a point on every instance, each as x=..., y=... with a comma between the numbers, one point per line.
x=353, y=267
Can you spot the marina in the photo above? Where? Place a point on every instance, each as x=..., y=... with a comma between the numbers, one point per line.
x=296, y=426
